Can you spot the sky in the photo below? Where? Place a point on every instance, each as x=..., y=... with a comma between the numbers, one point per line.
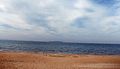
x=60, y=20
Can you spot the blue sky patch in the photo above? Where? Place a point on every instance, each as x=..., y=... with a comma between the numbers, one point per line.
x=80, y=22
x=107, y=3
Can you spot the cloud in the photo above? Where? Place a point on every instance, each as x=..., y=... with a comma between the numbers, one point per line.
x=65, y=20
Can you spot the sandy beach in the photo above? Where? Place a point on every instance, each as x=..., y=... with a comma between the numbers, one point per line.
x=22, y=60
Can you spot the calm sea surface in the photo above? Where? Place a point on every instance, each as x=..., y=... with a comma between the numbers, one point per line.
x=60, y=47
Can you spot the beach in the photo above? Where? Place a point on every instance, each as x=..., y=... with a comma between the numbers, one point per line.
x=25, y=60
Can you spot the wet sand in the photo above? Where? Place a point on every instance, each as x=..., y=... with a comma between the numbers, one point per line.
x=22, y=60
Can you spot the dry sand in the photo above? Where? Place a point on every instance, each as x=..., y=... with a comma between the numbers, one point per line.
x=17, y=60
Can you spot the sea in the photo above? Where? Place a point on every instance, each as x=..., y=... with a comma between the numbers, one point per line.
x=60, y=47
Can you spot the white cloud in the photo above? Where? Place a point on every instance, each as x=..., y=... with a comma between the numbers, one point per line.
x=14, y=21
x=54, y=19
x=82, y=4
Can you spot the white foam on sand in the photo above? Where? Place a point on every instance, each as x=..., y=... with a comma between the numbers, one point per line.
x=98, y=65
x=1, y=50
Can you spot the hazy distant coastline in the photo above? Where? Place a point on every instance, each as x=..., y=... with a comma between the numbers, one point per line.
x=62, y=42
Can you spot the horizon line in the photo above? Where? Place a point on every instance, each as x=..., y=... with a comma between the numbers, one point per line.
x=59, y=41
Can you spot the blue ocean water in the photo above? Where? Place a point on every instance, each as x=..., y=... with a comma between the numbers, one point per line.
x=60, y=47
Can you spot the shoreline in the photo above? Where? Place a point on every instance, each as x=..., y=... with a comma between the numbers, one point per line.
x=59, y=53
x=24, y=60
